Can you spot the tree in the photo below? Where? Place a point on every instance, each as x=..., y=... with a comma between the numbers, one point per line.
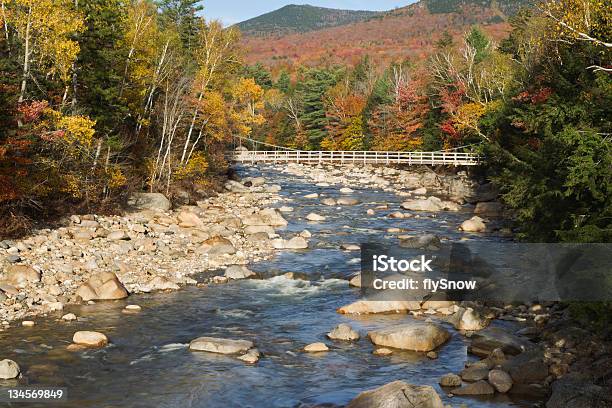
x=182, y=16
x=312, y=85
x=584, y=21
x=396, y=126
x=44, y=29
x=247, y=105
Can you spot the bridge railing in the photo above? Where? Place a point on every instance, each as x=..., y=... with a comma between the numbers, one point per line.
x=364, y=157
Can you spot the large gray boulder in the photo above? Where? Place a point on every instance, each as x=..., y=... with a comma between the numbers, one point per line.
x=220, y=346
x=150, y=201
x=415, y=336
x=398, y=394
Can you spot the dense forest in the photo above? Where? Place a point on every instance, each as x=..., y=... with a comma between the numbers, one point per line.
x=301, y=18
x=104, y=97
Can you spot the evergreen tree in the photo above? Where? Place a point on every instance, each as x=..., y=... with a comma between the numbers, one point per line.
x=313, y=84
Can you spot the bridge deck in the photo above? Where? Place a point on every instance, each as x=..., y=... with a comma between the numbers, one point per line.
x=369, y=157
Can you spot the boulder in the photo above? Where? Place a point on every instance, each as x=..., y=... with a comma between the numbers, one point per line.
x=346, y=190
x=489, y=209
x=343, y=332
x=251, y=356
x=527, y=367
x=90, y=339
x=348, y=201
x=474, y=224
x=415, y=336
x=255, y=229
x=102, y=286
x=69, y=317
x=21, y=275
x=379, y=306
x=485, y=341
x=329, y=202
x=235, y=187
x=425, y=241
x=9, y=369
x=430, y=204
x=315, y=217
x=468, y=320
x=218, y=245
x=355, y=281
x=239, y=272
x=316, y=348
x=188, y=219
x=162, y=283
x=269, y=216
x=577, y=392
x=219, y=345
x=478, y=388
x=474, y=373
x=150, y=201
x=382, y=351
x=450, y=380
x=117, y=236
x=500, y=380
x=398, y=394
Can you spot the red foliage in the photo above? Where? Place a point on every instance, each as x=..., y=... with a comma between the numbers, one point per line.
x=31, y=112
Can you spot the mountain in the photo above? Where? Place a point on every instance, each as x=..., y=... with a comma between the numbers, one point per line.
x=300, y=19
x=406, y=32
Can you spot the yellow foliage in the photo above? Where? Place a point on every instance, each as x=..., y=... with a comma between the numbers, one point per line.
x=79, y=129
x=116, y=178
x=71, y=185
x=468, y=115
x=48, y=26
x=195, y=168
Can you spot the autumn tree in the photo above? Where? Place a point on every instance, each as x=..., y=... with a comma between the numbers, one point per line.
x=44, y=29
x=395, y=126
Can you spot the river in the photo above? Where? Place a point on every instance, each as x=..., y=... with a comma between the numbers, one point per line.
x=148, y=364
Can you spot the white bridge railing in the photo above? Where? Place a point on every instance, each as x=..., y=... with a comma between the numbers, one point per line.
x=365, y=157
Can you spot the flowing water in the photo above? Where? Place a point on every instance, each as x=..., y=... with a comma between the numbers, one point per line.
x=148, y=363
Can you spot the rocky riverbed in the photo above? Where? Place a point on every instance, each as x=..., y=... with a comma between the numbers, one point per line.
x=264, y=267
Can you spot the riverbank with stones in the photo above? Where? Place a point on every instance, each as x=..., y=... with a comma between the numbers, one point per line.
x=94, y=258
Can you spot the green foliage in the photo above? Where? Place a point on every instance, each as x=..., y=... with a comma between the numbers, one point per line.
x=477, y=39
x=259, y=73
x=99, y=65
x=313, y=84
x=283, y=83
x=508, y=7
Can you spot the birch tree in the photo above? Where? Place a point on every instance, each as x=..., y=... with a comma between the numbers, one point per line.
x=216, y=56
x=44, y=29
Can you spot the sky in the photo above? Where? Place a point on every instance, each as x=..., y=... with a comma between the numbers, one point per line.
x=235, y=11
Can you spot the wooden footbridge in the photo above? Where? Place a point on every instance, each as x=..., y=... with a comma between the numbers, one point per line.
x=277, y=154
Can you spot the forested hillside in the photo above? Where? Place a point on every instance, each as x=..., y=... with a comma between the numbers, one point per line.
x=407, y=31
x=300, y=19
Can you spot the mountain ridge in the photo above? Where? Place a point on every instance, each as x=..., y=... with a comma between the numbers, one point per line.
x=411, y=31
x=294, y=18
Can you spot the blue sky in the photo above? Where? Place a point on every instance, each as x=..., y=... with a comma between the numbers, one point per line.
x=234, y=11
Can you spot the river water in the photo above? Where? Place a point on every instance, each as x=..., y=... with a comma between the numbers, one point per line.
x=148, y=364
